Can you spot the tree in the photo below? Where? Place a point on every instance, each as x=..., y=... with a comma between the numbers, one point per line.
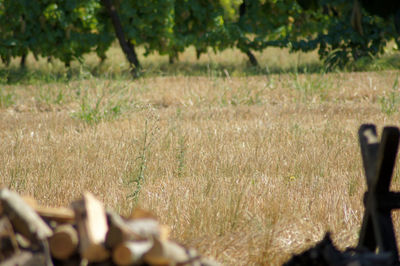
x=127, y=47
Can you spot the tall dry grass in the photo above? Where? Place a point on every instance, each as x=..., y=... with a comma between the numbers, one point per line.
x=247, y=170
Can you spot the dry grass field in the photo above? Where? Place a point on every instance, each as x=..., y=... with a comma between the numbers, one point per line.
x=247, y=168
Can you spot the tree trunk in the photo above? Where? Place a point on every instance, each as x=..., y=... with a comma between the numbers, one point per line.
x=397, y=21
x=356, y=17
x=6, y=60
x=252, y=58
x=127, y=47
x=23, y=61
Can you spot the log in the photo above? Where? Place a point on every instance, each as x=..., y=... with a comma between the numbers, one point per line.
x=8, y=241
x=139, y=213
x=131, y=252
x=22, y=241
x=166, y=253
x=121, y=230
x=118, y=231
x=165, y=231
x=64, y=242
x=23, y=218
x=148, y=228
x=92, y=227
x=59, y=214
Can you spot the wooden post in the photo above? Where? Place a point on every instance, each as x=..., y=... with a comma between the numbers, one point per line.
x=377, y=229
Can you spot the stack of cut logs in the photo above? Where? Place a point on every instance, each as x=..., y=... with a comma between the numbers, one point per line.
x=85, y=234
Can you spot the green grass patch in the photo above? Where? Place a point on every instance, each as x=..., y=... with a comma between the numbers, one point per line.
x=390, y=102
x=7, y=98
x=102, y=104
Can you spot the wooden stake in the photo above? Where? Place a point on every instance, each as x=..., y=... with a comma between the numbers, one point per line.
x=23, y=218
x=131, y=252
x=64, y=242
x=92, y=227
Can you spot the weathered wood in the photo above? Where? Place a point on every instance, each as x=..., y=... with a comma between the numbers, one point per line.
x=377, y=230
x=166, y=253
x=369, y=145
x=121, y=230
x=58, y=214
x=139, y=240
x=131, y=252
x=64, y=242
x=153, y=228
x=92, y=227
x=147, y=228
x=386, y=201
x=23, y=218
x=8, y=242
x=139, y=213
x=118, y=231
x=387, y=158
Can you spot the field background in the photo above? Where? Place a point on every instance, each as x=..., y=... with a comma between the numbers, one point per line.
x=247, y=165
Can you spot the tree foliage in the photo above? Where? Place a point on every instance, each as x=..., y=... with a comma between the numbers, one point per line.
x=338, y=43
x=68, y=29
x=62, y=29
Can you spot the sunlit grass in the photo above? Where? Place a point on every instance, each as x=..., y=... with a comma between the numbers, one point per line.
x=246, y=165
x=227, y=63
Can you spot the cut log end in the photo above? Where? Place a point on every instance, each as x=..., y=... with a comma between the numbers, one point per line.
x=129, y=253
x=64, y=243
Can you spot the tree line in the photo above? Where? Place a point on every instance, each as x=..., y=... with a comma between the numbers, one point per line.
x=341, y=31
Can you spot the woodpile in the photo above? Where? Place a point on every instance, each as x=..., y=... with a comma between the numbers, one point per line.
x=85, y=234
